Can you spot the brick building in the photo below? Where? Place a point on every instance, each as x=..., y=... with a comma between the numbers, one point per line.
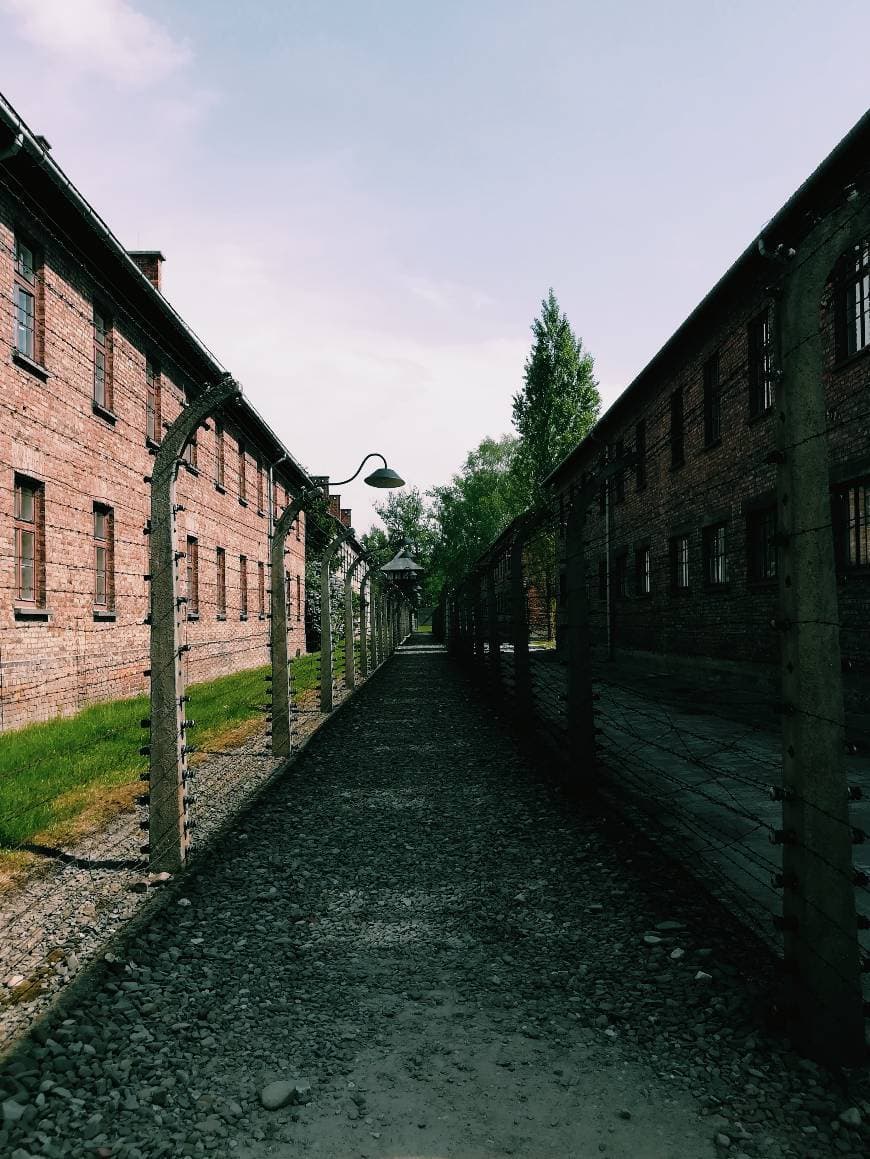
x=97, y=364
x=680, y=549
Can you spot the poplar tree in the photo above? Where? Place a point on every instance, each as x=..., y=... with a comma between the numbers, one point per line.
x=559, y=402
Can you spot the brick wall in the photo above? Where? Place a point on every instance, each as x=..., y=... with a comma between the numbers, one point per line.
x=68, y=653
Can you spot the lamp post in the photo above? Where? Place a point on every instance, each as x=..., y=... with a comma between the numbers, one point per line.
x=382, y=477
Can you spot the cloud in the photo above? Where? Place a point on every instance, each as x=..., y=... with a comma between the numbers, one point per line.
x=444, y=295
x=108, y=37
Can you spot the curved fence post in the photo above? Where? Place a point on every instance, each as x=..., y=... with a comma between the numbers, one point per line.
x=492, y=626
x=326, y=693
x=579, y=703
x=281, y=740
x=349, y=645
x=168, y=820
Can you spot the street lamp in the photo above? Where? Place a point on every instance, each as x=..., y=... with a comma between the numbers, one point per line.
x=382, y=477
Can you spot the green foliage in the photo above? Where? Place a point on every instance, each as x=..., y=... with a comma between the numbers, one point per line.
x=475, y=507
x=410, y=523
x=559, y=402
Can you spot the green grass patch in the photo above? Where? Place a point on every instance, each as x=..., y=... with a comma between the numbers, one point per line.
x=63, y=778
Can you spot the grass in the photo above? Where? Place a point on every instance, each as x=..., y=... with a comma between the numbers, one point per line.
x=423, y=628
x=64, y=778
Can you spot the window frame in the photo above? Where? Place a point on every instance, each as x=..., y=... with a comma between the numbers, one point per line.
x=243, y=480
x=192, y=584
x=619, y=477
x=640, y=453
x=102, y=350
x=220, y=462
x=643, y=570
x=680, y=561
x=259, y=465
x=853, y=274
x=243, y=587
x=221, y=583
x=104, y=543
x=35, y=528
x=714, y=552
x=298, y=599
x=261, y=589
x=762, y=395
x=851, y=527
x=29, y=287
x=762, y=555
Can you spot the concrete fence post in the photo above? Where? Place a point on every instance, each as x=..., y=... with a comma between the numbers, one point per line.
x=363, y=625
x=492, y=625
x=349, y=639
x=281, y=727
x=477, y=609
x=168, y=796
x=326, y=692
x=819, y=917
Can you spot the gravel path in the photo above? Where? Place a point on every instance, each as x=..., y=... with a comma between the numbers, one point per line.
x=413, y=946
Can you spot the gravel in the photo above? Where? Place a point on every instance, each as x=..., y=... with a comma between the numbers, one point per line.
x=424, y=949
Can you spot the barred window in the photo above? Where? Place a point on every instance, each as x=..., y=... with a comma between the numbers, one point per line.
x=219, y=455
x=261, y=590
x=243, y=486
x=620, y=574
x=851, y=505
x=643, y=571
x=25, y=301
x=619, y=484
x=679, y=548
x=243, y=587
x=853, y=301
x=677, y=433
x=259, y=487
x=715, y=546
x=640, y=451
x=761, y=395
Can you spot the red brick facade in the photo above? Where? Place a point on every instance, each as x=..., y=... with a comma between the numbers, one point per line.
x=74, y=589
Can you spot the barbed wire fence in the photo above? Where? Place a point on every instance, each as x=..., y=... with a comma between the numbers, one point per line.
x=753, y=776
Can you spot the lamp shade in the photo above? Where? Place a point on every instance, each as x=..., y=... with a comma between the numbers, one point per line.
x=384, y=477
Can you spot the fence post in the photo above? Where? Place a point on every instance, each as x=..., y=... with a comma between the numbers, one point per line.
x=281, y=740
x=349, y=653
x=492, y=624
x=168, y=822
x=363, y=625
x=326, y=696
x=477, y=610
x=520, y=627
x=579, y=704
x=819, y=919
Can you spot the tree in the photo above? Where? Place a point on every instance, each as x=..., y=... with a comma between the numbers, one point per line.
x=559, y=402
x=474, y=508
x=409, y=522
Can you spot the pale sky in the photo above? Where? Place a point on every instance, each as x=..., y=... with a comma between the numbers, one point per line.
x=362, y=202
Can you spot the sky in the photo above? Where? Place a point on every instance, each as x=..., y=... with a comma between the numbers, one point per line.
x=362, y=203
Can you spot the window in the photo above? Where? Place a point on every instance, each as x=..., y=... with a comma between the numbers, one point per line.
x=243, y=498
x=243, y=587
x=642, y=571
x=219, y=460
x=299, y=597
x=760, y=377
x=712, y=401
x=851, y=505
x=640, y=451
x=715, y=547
x=259, y=487
x=152, y=401
x=221, y=583
x=102, y=360
x=620, y=574
x=191, y=452
x=677, y=439
x=104, y=557
x=29, y=516
x=619, y=486
x=192, y=578
x=853, y=301
x=761, y=544
x=680, y=563
x=261, y=590
x=27, y=337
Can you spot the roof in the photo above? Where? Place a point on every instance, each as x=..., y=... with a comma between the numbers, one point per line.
x=39, y=176
x=402, y=562
x=844, y=165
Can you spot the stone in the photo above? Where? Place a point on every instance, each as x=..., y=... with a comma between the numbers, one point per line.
x=670, y=926
x=652, y=940
x=676, y=954
x=284, y=1092
x=701, y=976
x=851, y=1117
x=12, y=1111
x=723, y=1140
